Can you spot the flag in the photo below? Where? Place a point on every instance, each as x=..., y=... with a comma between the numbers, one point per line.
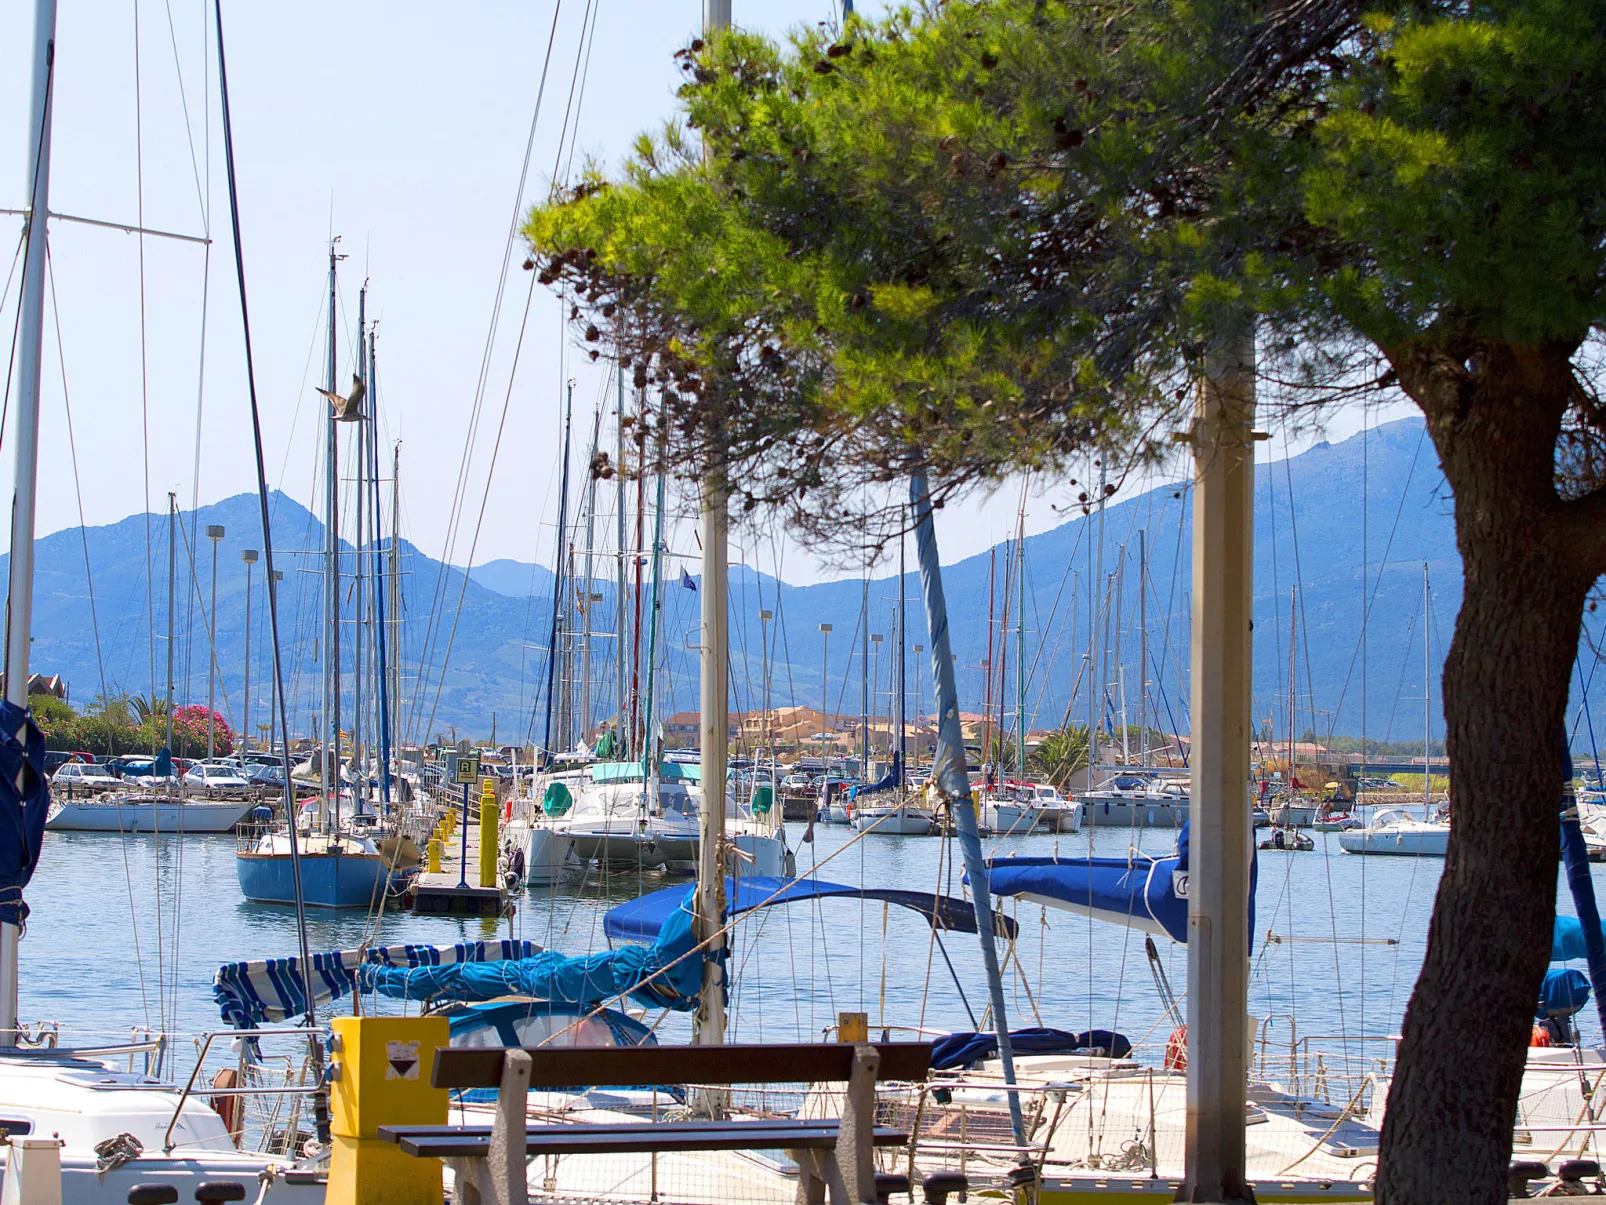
x=685, y=580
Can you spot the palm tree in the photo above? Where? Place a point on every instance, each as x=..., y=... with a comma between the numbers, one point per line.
x=148, y=707
x=1060, y=754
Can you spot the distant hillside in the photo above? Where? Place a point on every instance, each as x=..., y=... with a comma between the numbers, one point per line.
x=1309, y=529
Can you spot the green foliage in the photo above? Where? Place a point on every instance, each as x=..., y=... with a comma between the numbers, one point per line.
x=1060, y=755
x=994, y=237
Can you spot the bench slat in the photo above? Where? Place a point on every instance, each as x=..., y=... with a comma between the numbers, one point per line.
x=397, y=1133
x=607, y=1066
x=552, y=1141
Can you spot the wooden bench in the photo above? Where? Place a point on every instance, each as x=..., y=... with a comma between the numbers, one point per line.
x=835, y=1159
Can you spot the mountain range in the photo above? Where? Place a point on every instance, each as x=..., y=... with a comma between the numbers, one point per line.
x=1333, y=525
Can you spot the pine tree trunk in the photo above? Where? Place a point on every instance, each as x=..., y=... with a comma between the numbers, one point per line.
x=1494, y=412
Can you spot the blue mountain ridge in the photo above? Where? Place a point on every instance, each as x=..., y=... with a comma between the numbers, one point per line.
x=1309, y=530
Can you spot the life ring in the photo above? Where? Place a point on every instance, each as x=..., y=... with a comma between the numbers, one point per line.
x=228, y=1107
x=1176, y=1049
x=1540, y=1037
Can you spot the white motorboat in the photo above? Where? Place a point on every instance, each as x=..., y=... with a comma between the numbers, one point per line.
x=1395, y=832
x=126, y=812
x=1055, y=813
x=1134, y=802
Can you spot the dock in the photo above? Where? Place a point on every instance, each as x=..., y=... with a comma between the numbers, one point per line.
x=449, y=887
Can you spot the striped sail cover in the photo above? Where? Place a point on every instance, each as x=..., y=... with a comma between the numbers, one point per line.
x=249, y=994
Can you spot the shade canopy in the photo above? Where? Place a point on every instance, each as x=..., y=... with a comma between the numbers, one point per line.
x=641, y=919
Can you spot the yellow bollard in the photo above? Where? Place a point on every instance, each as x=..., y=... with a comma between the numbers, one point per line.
x=380, y=1076
x=488, y=834
x=435, y=848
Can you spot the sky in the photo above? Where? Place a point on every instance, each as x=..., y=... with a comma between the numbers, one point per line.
x=402, y=129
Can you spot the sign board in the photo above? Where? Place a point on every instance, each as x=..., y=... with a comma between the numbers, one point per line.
x=467, y=769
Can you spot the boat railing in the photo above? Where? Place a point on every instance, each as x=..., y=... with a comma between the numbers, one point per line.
x=294, y=1081
x=1333, y=1068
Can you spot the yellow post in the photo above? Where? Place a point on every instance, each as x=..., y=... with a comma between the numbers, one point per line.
x=380, y=1076
x=435, y=856
x=853, y=1027
x=488, y=816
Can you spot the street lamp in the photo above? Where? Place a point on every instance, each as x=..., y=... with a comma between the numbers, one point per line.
x=825, y=690
x=249, y=556
x=214, y=532
x=273, y=682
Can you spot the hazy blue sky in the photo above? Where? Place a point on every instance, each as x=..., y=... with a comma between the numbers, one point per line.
x=401, y=128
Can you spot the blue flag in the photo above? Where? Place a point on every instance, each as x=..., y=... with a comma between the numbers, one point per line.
x=685, y=580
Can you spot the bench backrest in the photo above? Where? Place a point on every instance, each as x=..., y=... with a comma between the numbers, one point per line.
x=762, y=1063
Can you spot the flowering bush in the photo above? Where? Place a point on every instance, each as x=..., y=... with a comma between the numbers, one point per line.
x=189, y=732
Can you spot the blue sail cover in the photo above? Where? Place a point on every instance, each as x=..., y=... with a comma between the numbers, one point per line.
x=664, y=974
x=25, y=800
x=269, y=990
x=959, y=1050
x=1567, y=940
x=1140, y=892
x=642, y=919
x=891, y=781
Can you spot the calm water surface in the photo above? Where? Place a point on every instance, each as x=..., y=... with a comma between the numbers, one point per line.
x=128, y=931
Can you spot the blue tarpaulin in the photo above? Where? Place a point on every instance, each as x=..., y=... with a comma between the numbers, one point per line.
x=1138, y=891
x=891, y=781
x=959, y=1050
x=1564, y=991
x=1567, y=940
x=25, y=800
x=641, y=919
x=269, y=990
x=660, y=975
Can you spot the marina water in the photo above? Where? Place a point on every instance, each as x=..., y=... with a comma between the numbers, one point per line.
x=1359, y=926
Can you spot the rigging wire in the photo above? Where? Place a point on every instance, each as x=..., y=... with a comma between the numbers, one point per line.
x=305, y=968
x=482, y=382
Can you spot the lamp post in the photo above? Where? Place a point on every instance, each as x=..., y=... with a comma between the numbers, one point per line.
x=249, y=556
x=273, y=686
x=919, y=648
x=825, y=691
x=214, y=532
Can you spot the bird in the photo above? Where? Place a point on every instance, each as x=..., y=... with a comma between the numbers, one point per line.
x=348, y=409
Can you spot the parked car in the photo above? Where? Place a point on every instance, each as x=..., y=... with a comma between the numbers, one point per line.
x=88, y=776
x=215, y=778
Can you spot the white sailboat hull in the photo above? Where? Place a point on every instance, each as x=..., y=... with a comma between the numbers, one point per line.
x=1426, y=841
x=121, y=814
x=906, y=820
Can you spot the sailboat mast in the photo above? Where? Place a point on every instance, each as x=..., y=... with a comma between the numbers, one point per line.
x=903, y=653
x=1427, y=704
x=558, y=585
x=987, y=693
x=331, y=642
x=619, y=528
x=395, y=589
x=590, y=592
x=381, y=657
x=1143, y=647
x=19, y=591
x=1020, y=640
x=358, y=577
x=172, y=583
x=864, y=678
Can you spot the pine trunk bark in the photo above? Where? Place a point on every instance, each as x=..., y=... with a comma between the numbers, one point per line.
x=1494, y=412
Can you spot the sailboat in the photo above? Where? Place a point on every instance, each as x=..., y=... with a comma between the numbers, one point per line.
x=1395, y=831
x=163, y=805
x=340, y=866
x=88, y=1125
